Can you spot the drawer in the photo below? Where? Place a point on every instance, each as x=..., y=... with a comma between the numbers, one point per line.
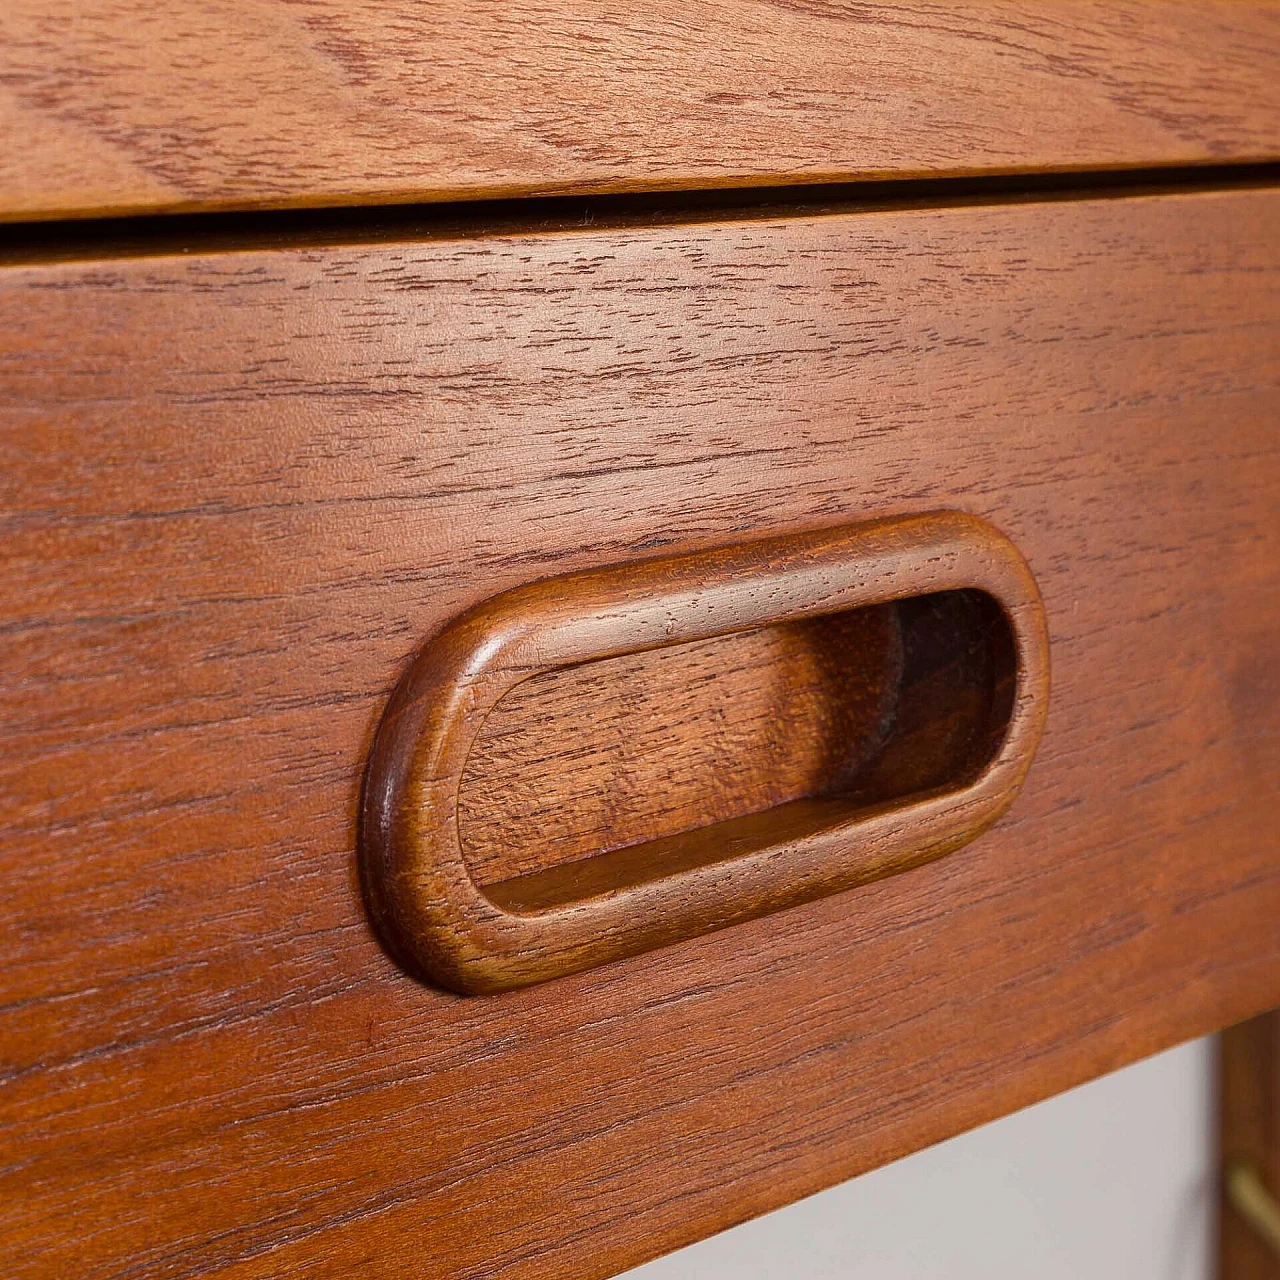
x=242, y=486
x=114, y=107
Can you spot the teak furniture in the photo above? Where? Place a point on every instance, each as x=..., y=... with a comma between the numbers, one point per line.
x=536, y=729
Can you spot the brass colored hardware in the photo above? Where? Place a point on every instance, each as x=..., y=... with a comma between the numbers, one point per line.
x=1250, y=1198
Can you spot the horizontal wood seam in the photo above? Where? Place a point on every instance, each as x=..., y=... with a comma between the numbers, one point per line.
x=233, y=231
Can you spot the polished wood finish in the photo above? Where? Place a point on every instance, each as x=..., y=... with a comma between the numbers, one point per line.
x=1249, y=1138
x=121, y=106
x=241, y=487
x=634, y=748
x=946, y=762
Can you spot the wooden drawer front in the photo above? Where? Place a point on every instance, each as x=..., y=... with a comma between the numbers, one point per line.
x=242, y=487
x=115, y=106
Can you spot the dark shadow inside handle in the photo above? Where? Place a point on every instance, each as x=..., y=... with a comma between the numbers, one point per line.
x=591, y=779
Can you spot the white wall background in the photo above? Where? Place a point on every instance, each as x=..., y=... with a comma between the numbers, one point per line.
x=1112, y=1181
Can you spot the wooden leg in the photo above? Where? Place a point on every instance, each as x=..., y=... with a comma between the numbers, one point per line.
x=1249, y=1145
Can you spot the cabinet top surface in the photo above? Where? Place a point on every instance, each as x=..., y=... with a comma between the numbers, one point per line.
x=121, y=107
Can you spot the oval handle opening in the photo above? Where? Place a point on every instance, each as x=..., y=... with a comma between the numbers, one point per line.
x=590, y=778
x=597, y=764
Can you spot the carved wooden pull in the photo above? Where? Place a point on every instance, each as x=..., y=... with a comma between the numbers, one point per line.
x=889, y=682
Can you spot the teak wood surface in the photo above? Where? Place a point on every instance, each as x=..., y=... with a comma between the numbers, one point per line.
x=126, y=106
x=241, y=489
x=647, y=746
x=652, y=744
x=951, y=757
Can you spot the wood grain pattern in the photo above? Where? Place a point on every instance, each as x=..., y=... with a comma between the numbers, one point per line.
x=239, y=488
x=612, y=753
x=1249, y=1135
x=962, y=714
x=117, y=106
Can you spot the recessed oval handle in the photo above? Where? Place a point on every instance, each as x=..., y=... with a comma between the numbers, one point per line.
x=924, y=655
